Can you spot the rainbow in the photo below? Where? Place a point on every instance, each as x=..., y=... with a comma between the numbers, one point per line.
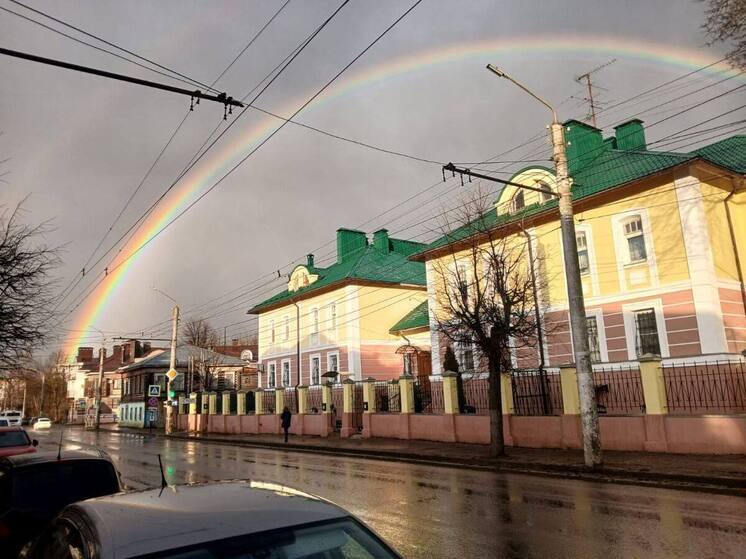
x=211, y=170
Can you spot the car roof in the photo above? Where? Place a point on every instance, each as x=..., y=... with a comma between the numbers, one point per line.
x=23, y=460
x=157, y=519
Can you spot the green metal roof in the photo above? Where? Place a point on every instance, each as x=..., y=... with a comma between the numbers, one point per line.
x=418, y=317
x=610, y=168
x=366, y=264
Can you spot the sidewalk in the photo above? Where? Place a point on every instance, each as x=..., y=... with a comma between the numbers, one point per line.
x=719, y=474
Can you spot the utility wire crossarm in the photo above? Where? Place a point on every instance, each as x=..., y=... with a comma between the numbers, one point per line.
x=451, y=168
x=222, y=98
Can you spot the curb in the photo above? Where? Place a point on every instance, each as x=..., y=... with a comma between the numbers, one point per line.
x=717, y=485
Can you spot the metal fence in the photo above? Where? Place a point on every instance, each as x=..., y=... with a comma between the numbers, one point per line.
x=476, y=396
x=619, y=391
x=291, y=400
x=268, y=401
x=315, y=399
x=428, y=396
x=536, y=392
x=699, y=388
x=388, y=399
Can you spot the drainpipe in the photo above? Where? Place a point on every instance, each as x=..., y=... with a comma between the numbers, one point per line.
x=739, y=270
x=539, y=329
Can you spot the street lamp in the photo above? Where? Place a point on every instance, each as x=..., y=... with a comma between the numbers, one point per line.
x=576, y=304
x=100, y=378
x=171, y=374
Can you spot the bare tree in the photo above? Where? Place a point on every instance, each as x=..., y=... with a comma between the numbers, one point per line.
x=486, y=292
x=26, y=263
x=199, y=332
x=725, y=22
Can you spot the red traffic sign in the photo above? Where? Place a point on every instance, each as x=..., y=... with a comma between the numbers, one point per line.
x=153, y=402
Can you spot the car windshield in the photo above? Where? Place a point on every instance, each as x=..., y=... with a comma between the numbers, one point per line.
x=55, y=484
x=340, y=539
x=13, y=438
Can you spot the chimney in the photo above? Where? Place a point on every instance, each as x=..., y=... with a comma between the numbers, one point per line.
x=309, y=261
x=583, y=143
x=630, y=135
x=85, y=354
x=127, y=352
x=138, y=348
x=146, y=348
x=117, y=352
x=381, y=240
x=234, y=341
x=350, y=243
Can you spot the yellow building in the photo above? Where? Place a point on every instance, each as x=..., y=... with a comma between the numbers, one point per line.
x=661, y=242
x=339, y=318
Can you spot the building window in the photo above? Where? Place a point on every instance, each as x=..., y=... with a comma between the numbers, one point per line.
x=272, y=331
x=315, y=369
x=546, y=193
x=594, y=345
x=465, y=357
x=271, y=372
x=518, y=202
x=635, y=239
x=315, y=327
x=287, y=328
x=646, y=333
x=582, y=242
x=462, y=279
x=286, y=373
x=333, y=317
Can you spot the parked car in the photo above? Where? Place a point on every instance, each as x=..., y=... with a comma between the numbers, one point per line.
x=34, y=488
x=235, y=519
x=42, y=423
x=28, y=420
x=14, y=441
x=14, y=417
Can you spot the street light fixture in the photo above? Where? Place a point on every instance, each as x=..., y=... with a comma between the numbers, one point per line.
x=171, y=375
x=576, y=304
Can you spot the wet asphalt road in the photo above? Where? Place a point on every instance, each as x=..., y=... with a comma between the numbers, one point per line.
x=429, y=512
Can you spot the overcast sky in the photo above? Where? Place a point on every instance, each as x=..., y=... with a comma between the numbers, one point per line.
x=81, y=144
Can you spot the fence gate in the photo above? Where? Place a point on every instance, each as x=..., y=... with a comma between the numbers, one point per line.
x=337, y=406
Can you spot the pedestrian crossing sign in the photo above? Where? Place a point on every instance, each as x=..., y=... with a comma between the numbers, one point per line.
x=154, y=390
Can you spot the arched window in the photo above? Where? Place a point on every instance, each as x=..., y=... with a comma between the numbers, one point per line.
x=582, y=242
x=634, y=234
x=519, y=201
x=546, y=193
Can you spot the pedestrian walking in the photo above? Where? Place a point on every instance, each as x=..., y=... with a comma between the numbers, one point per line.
x=285, y=418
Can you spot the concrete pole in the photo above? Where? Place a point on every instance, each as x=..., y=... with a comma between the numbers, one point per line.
x=97, y=421
x=23, y=406
x=576, y=303
x=172, y=366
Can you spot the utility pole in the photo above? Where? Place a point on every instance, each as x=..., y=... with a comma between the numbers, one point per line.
x=576, y=303
x=587, y=78
x=41, y=397
x=99, y=386
x=23, y=406
x=171, y=375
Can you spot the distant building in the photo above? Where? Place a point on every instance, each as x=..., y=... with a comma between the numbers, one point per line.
x=341, y=316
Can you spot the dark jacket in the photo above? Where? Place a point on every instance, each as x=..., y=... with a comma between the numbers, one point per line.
x=285, y=418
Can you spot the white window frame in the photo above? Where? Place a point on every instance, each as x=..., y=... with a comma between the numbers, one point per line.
x=547, y=193
x=286, y=323
x=272, y=368
x=333, y=316
x=282, y=373
x=622, y=247
x=635, y=218
x=630, y=326
x=272, y=331
x=328, y=355
x=310, y=369
x=513, y=201
x=603, y=349
x=474, y=357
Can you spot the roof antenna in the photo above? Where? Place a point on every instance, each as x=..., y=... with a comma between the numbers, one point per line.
x=59, y=446
x=164, y=483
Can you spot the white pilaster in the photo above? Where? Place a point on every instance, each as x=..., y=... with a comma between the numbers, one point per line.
x=701, y=266
x=434, y=337
x=354, y=365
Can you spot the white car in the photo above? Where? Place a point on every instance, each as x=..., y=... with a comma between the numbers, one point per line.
x=43, y=423
x=216, y=520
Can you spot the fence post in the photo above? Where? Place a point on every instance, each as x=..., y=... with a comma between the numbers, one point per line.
x=369, y=395
x=450, y=392
x=347, y=408
x=192, y=403
x=569, y=384
x=241, y=402
x=506, y=394
x=570, y=421
x=653, y=385
x=302, y=395
x=226, y=410
x=212, y=399
x=279, y=401
x=406, y=390
x=326, y=409
x=259, y=402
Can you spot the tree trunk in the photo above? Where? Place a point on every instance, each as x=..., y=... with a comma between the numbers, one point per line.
x=497, y=437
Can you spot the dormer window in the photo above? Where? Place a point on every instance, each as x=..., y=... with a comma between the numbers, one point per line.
x=633, y=232
x=582, y=242
x=546, y=191
x=518, y=202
